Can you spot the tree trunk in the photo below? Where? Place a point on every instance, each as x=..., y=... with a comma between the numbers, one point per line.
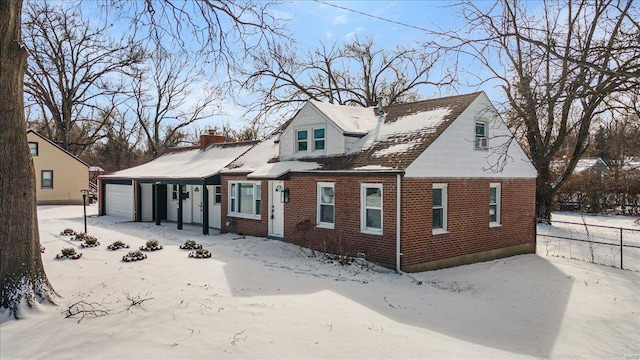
x=22, y=275
x=544, y=196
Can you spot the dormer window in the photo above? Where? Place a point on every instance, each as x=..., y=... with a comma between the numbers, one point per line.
x=302, y=140
x=318, y=139
x=317, y=143
x=482, y=141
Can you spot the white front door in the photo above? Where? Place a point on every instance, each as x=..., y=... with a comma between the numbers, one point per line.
x=215, y=199
x=196, y=204
x=276, y=209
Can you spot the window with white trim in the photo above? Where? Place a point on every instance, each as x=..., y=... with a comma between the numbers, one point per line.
x=245, y=198
x=371, y=208
x=302, y=141
x=439, y=208
x=318, y=139
x=326, y=205
x=482, y=136
x=494, y=204
x=310, y=139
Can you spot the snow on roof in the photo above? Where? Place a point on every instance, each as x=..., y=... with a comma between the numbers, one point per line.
x=373, y=168
x=400, y=135
x=186, y=164
x=594, y=164
x=631, y=165
x=275, y=170
x=258, y=156
x=351, y=119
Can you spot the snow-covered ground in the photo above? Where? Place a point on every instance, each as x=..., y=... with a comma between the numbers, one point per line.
x=606, y=240
x=258, y=298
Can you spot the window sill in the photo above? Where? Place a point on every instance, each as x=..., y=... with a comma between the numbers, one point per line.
x=495, y=225
x=439, y=232
x=371, y=232
x=244, y=216
x=325, y=226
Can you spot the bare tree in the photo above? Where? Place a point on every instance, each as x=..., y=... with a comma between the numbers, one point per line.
x=169, y=97
x=22, y=276
x=73, y=68
x=557, y=67
x=355, y=74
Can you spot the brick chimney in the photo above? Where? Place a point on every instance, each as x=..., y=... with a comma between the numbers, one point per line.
x=210, y=138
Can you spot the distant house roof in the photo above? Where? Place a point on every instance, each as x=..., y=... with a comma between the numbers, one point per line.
x=190, y=163
x=591, y=164
x=57, y=146
x=406, y=132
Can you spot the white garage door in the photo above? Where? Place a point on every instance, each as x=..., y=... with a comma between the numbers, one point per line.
x=119, y=200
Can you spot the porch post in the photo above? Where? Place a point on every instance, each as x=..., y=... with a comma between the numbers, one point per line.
x=180, y=196
x=205, y=209
x=156, y=205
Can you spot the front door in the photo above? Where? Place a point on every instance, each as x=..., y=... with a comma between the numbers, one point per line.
x=276, y=209
x=197, y=205
x=215, y=200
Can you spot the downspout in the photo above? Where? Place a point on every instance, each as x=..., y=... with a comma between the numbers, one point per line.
x=398, y=221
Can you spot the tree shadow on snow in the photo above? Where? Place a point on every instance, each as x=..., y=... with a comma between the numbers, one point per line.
x=515, y=304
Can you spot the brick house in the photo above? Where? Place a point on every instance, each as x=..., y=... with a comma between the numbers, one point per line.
x=413, y=187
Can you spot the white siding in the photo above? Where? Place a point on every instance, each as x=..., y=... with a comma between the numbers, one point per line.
x=453, y=153
x=146, y=202
x=172, y=205
x=309, y=117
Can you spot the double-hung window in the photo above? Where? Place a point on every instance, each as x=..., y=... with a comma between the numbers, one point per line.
x=371, y=208
x=46, y=179
x=318, y=139
x=310, y=139
x=245, y=199
x=302, y=140
x=482, y=137
x=439, y=208
x=494, y=204
x=326, y=205
x=33, y=148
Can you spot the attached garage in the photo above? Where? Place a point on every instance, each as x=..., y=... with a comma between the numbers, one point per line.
x=118, y=200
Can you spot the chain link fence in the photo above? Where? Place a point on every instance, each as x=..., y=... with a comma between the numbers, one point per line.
x=605, y=245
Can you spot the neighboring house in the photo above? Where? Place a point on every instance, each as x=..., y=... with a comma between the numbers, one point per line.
x=592, y=165
x=60, y=176
x=414, y=186
x=182, y=185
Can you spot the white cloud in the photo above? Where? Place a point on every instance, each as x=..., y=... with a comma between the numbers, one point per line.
x=353, y=33
x=340, y=19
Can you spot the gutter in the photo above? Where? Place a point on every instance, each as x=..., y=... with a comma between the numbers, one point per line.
x=398, y=221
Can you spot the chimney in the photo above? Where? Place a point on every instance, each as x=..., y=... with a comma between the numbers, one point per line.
x=380, y=106
x=210, y=138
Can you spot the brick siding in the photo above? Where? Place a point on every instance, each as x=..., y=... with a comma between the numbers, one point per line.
x=467, y=218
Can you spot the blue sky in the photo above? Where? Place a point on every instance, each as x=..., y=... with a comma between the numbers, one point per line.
x=313, y=21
